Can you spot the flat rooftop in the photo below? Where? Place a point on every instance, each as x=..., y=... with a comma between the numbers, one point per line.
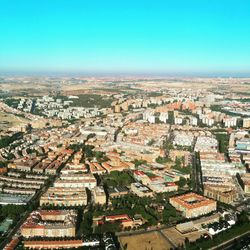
x=14, y=199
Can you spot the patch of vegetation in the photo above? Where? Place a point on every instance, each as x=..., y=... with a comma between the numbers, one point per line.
x=179, y=166
x=132, y=204
x=12, y=102
x=100, y=156
x=87, y=149
x=223, y=140
x=171, y=117
x=170, y=214
x=167, y=145
x=7, y=140
x=108, y=227
x=162, y=160
x=146, y=206
x=3, y=164
x=154, y=94
x=219, y=108
x=139, y=162
x=182, y=182
x=184, y=148
x=12, y=211
x=92, y=100
x=116, y=179
x=245, y=100
x=86, y=223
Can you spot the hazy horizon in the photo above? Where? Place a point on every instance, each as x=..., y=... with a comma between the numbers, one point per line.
x=124, y=74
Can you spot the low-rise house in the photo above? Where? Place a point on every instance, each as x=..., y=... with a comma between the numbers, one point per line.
x=141, y=190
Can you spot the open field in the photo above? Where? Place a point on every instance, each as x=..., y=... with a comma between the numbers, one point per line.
x=146, y=241
x=31, y=89
x=10, y=120
x=38, y=86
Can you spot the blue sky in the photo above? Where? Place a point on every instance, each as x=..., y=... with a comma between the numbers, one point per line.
x=125, y=36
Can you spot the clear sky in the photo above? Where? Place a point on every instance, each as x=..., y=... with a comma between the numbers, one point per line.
x=125, y=36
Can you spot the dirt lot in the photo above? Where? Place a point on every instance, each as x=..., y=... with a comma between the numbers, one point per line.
x=10, y=120
x=177, y=238
x=146, y=241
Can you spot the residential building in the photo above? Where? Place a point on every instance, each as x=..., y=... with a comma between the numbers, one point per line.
x=141, y=190
x=50, y=223
x=99, y=195
x=223, y=194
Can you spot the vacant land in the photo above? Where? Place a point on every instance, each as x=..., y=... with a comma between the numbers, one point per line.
x=146, y=241
x=10, y=120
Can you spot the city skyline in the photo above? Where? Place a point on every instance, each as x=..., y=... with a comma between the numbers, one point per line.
x=184, y=38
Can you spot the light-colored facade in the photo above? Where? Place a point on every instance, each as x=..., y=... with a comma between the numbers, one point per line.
x=64, y=197
x=223, y=194
x=50, y=223
x=141, y=190
x=245, y=178
x=246, y=123
x=193, y=205
x=99, y=196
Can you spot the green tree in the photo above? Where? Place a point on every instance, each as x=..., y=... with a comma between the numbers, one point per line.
x=86, y=224
x=182, y=182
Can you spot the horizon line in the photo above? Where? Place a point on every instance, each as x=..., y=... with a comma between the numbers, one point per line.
x=82, y=73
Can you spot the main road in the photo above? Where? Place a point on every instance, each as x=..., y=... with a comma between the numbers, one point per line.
x=196, y=173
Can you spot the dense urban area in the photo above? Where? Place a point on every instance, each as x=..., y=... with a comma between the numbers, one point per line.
x=124, y=163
